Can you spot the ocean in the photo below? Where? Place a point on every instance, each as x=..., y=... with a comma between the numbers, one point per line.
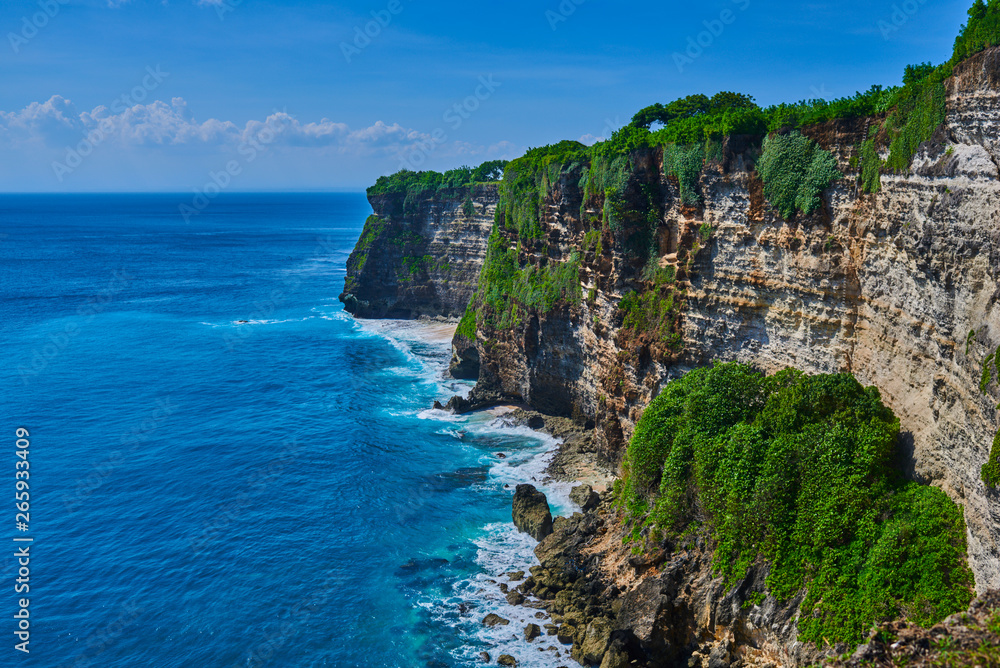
x=275, y=492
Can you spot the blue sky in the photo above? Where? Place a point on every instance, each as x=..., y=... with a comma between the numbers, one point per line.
x=154, y=95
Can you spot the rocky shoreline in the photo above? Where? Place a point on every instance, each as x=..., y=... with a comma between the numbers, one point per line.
x=600, y=604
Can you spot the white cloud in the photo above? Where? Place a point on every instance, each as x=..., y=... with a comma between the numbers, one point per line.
x=57, y=124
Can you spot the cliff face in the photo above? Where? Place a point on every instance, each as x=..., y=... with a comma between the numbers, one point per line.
x=887, y=286
x=420, y=256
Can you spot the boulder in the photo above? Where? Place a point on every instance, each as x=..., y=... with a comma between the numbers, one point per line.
x=506, y=660
x=565, y=634
x=495, y=620
x=515, y=598
x=485, y=657
x=585, y=497
x=531, y=632
x=531, y=513
x=595, y=643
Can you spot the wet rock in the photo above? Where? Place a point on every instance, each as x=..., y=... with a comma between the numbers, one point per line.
x=493, y=619
x=515, y=598
x=516, y=576
x=504, y=587
x=485, y=657
x=531, y=632
x=506, y=660
x=530, y=512
x=585, y=497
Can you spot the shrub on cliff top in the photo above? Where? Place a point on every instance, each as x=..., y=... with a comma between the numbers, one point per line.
x=982, y=30
x=797, y=470
x=406, y=181
x=795, y=171
x=527, y=181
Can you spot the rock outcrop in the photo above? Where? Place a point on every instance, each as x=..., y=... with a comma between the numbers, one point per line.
x=531, y=513
x=887, y=286
x=420, y=258
x=663, y=609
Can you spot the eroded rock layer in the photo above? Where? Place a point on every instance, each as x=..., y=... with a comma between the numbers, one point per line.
x=420, y=256
x=887, y=286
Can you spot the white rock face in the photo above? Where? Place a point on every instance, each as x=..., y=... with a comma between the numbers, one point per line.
x=887, y=286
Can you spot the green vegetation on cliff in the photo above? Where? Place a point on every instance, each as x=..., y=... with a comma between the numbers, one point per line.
x=507, y=290
x=797, y=470
x=526, y=184
x=795, y=172
x=418, y=185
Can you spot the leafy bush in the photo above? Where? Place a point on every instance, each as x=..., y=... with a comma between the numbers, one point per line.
x=920, y=109
x=795, y=171
x=797, y=470
x=406, y=181
x=467, y=326
x=685, y=163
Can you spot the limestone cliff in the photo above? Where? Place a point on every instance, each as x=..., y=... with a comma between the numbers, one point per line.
x=887, y=286
x=420, y=256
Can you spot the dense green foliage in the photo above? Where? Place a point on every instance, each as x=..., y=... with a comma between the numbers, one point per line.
x=417, y=185
x=982, y=30
x=526, y=183
x=508, y=290
x=374, y=226
x=685, y=163
x=797, y=470
x=467, y=326
x=795, y=172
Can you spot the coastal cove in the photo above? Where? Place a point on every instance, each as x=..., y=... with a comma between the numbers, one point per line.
x=278, y=492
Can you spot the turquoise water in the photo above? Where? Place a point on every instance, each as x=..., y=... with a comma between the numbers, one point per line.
x=206, y=492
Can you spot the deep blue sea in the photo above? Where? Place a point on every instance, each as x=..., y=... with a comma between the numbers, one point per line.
x=206, y=492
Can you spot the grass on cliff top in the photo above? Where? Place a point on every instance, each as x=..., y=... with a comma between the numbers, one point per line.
x=798, y=470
